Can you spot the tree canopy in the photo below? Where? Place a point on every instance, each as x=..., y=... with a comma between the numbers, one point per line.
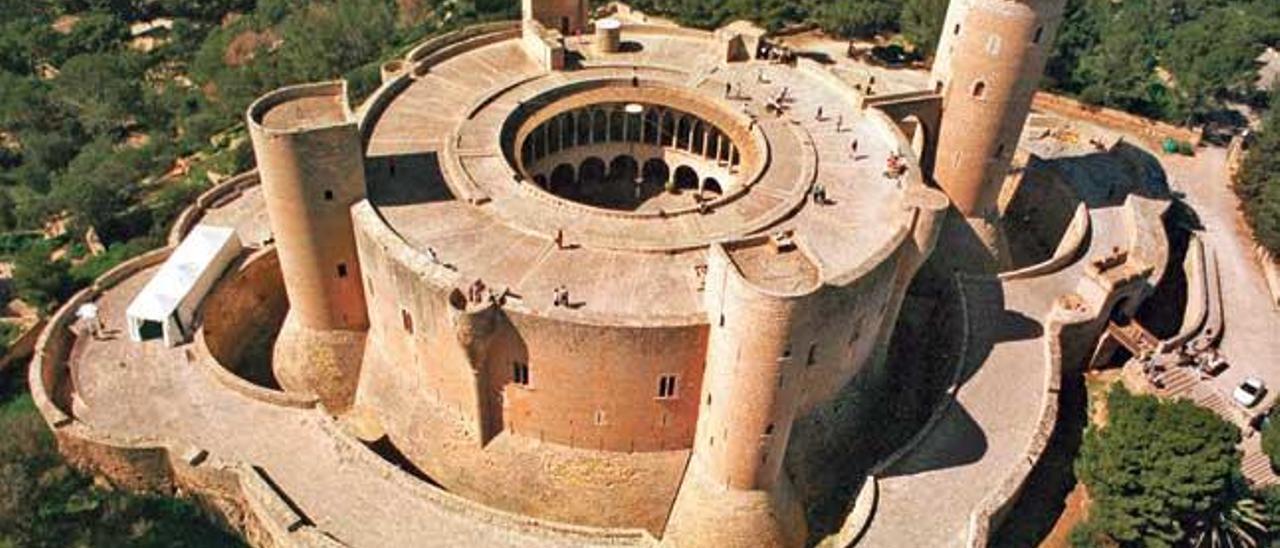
x=1157, y=472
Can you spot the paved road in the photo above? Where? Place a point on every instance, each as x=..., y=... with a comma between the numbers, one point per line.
x=1251, y=337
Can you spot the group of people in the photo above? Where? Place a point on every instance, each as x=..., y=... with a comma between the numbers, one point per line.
x=560, y=296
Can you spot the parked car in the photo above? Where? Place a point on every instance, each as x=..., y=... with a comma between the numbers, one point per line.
x=1250, y=392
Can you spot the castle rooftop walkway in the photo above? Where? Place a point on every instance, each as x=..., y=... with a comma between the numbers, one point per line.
x=445, y=126
x=963, y=464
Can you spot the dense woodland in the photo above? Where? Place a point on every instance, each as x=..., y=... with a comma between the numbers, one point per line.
x=95, y=115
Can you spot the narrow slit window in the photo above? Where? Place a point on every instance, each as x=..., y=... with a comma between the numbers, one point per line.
x=600, y=417
x=667, y=387
x=406, y=320
x=768, y=430
x=520, y=373
x=1000, y=151
x=956, y=30
x=1039, y=35
x=342, y=270
x=979, y=89
x=813, y=355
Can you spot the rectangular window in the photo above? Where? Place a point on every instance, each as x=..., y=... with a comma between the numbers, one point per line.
x=328, y=195
x=667, y=387
x=342, y=270
x=406, y=320
x=520, y=373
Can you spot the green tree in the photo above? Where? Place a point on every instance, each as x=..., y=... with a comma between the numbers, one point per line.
x=922, y=22
x=40, y=280
x=103, y=89
x=1258, y=184
x=851, y=18
x=1158, y=472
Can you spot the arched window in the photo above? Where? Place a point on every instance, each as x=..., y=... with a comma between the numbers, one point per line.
x=682, y=132
x=617, y=123
x=668, y=129
x=599, y=126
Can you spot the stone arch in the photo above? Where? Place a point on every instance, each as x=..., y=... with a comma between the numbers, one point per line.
x=583, y=122
x=711, y=185
x=668, y=129
x=562, y=178
x=683, y=128
x=713, y=144
x=599, y=126
x=656, y=171
x=592, y=171
x=698, y=146
x=653, y=126
x=567, y=130
x=554, y=135
x=623, y=168
x=686, y=178
x=617, y=125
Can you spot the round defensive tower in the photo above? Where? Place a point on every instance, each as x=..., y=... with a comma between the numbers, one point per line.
x=990, y=58
x=311, y=163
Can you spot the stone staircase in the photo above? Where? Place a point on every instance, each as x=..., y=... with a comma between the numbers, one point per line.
x=1256, y=466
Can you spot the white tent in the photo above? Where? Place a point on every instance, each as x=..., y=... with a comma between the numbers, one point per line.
x=167, y=305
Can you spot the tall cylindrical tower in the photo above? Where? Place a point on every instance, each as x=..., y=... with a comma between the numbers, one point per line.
x=735, y=492
x=311, y=163
x=990, y=58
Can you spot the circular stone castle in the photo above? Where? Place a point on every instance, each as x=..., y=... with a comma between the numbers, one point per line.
x=594, y=273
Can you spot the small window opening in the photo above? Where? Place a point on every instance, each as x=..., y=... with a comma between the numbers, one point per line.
x=328, y=195
x=813, y=355
x=722, y=320
x=1000, y=151
x=667, y=387
x=599, y=418
x=520, y=373
x=1039, y=35
x=406, y=320
x=342, y=270
x=768, y=430
x=956, y=30
x=708, y=399
x=786, y=351
x=937, y=88
x=979, y=89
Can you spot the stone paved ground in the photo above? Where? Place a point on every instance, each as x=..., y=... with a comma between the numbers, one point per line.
x=148, y=390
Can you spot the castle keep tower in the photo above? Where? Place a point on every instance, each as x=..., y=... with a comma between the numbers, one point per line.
x=566, y=16
x=990, y=58
x=312, y=168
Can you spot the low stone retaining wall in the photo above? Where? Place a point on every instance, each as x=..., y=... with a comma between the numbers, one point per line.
x=1151, y=131
x=1064, y=329
x=1067, y=251
x=220, y=194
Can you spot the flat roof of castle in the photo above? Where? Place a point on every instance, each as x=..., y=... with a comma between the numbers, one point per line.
x=455, y=192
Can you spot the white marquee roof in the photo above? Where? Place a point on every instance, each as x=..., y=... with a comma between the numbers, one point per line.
x=180, y=273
